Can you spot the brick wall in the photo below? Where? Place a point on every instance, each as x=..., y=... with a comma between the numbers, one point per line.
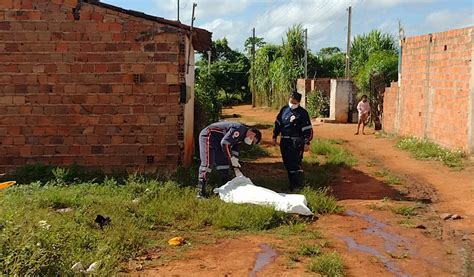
x=92, y=86
x=433, y=100
x=322, y=84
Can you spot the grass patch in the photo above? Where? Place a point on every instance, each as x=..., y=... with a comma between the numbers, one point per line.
x=333, y=151
x=308, y=250
x=394, y=180
x=58, y=175
x=320, y=202
x=36, y=238
x=405, y=210
x=324, y=243
x=328, y=264
x=426, y=150
x=250, y=153
x=291, y=229
x=389, y=176
x=371, y=163
x=407, y=223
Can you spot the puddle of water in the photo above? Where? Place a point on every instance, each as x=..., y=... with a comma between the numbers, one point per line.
x=391, y=266
x=264, y=257
x=391, y=241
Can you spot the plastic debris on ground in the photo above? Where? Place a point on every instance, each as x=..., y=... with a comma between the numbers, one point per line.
x=176, y=241
x=242, y=190
x=5, y=185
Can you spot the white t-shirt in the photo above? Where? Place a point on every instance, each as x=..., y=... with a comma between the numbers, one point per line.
x=363, y=108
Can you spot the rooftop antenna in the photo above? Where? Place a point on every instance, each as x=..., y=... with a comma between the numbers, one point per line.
x=191, y=38
x=178, y=11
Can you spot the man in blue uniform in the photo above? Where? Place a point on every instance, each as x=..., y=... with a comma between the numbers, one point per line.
x=294, y=125
x=218, y=146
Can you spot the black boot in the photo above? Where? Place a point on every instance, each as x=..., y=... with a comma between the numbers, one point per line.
x=300, y=183
x=293, y=181
x=201, y=189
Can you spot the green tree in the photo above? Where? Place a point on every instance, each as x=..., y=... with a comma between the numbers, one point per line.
x=366, y=44
x=230, y=71
x=259, y=42
x=261, y=70
x=293, y=52
x=380, y=62
x=328, y=62
x=276, y=68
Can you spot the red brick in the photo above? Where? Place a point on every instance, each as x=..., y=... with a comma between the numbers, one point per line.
x=4, y=26
x=100, y=68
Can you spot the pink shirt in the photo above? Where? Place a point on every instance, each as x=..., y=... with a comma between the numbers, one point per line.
x=363, y=108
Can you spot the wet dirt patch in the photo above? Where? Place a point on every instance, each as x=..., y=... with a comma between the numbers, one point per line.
x=266, y=256
x=392, y=243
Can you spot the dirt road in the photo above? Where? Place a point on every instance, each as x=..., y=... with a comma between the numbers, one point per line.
x=372, y=239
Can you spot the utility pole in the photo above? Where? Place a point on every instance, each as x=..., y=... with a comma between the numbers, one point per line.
x=178, y=10
x=190, y=38
x=208, y=62
x=401, y=38
x=306, y=53
x=253, y=68
x=348, y=51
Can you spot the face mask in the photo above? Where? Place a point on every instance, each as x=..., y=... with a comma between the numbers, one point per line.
x=293, y=106
x=248, y=141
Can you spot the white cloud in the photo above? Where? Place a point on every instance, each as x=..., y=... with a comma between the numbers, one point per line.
x=375, y=4
x=204, y=9
x=445, y=19
x=235, y=31
x=326, y=20
x=317, y=16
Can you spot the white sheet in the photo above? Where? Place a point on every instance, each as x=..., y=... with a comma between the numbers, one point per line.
x=242, y=190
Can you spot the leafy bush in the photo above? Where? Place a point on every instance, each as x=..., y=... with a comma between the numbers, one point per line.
x=207, y=106
x=380, y=62
x=317, y=104
x=364, y=45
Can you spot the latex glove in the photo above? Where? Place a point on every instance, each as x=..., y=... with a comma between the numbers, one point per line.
x=235, y=162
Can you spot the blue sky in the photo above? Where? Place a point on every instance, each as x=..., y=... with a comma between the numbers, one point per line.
x=326, y=20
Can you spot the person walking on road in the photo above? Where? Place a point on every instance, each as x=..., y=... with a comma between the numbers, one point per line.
x=219, y=147
x=294, y=125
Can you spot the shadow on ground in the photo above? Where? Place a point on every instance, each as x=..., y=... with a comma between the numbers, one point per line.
x=345, y=183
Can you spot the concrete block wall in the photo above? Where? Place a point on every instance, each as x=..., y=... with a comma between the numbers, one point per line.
x=341, y=91
x=434, y=100
x=92, y=86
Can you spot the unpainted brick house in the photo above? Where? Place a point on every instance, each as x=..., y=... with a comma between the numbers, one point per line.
x=434, y=98
x=85, y=82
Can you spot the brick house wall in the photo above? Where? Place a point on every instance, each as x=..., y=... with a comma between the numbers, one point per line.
x=82, y=82
x=435, y=97
x=322, y=84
